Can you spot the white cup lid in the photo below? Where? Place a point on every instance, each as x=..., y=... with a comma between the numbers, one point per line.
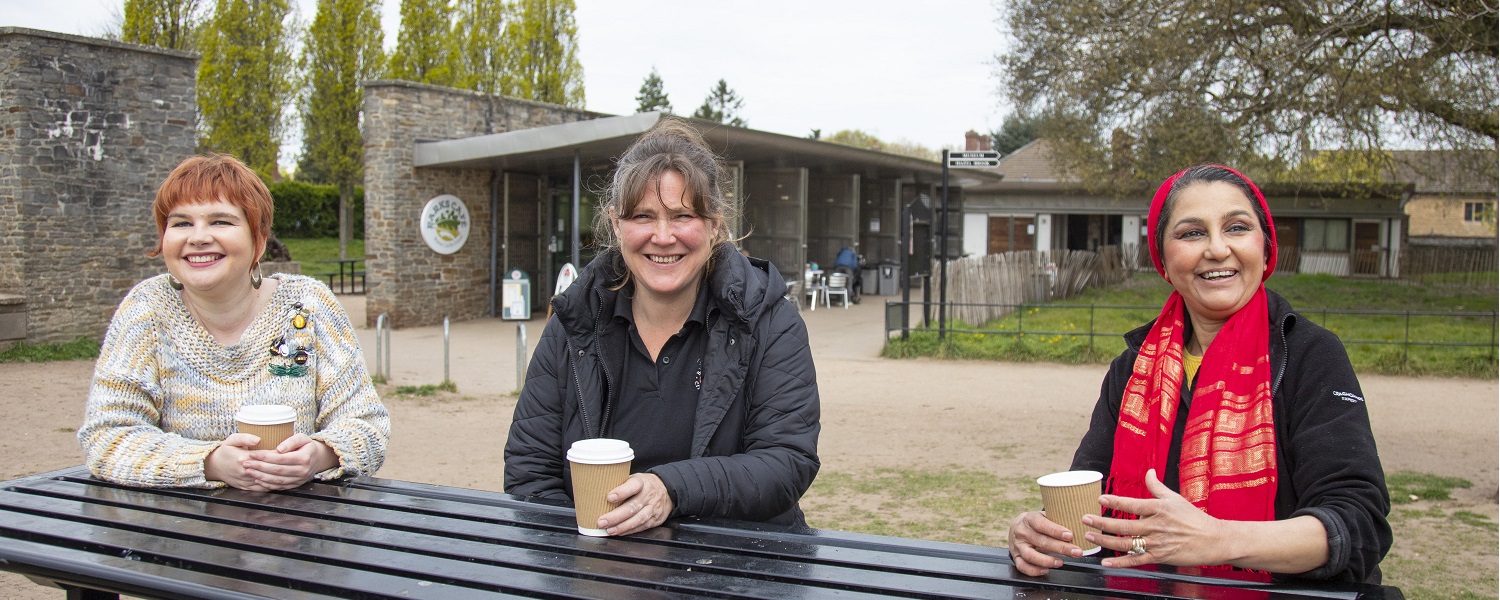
x=600, y=451
x=265, y=414
x=1069, y=478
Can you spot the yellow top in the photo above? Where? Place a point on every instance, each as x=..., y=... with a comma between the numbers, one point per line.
x=1190, y=364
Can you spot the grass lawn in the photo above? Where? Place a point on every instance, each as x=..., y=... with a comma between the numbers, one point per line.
x=1059, y=331
x=309, y=251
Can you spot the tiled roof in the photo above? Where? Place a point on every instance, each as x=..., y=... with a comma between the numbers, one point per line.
x=1447, y=171
x=1029, y=163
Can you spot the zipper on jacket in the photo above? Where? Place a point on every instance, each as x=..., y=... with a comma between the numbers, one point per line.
x=583, y=409
x=1286, y=353
x=609, y=385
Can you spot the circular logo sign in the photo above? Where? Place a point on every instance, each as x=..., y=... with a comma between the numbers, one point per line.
x=445, y=224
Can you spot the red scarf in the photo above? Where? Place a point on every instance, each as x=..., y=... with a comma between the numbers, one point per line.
x=1228, y=459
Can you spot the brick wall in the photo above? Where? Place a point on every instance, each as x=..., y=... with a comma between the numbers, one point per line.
x=88, y=129
x=405, y=278
x=1441, y=216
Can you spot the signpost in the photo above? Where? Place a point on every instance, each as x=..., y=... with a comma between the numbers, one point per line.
x=971, y=159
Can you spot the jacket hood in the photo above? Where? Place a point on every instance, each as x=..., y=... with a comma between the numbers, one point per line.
x=741, y=288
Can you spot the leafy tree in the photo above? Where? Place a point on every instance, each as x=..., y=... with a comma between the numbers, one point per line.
x=343, y=48
x=856, y=138
x=722, y=106
x=909, y=148
x=162, y=23
x=542, y=38
x=479, y=56
x=652, y=96
x=1017, y=130
x=815, y=134
x=246, y=80
x=422, y=45
x=1285, y=78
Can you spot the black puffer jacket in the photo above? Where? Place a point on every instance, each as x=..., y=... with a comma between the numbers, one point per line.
x=755, y=437
x=1326, y=462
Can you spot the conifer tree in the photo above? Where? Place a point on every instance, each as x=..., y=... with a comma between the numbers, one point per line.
x=542, y=38
x=722, y=105
x=479, y=56
x=162, y=23
x=652, y=96
x=343, y=48
x=422, y=46
x=246, y=80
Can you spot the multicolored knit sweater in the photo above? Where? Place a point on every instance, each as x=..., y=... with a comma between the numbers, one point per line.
x=165, y=393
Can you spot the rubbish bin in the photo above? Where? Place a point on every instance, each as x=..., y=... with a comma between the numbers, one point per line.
x=890, y=280
x=867, y=283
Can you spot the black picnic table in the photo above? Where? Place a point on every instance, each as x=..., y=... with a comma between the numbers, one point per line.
x=380, y=538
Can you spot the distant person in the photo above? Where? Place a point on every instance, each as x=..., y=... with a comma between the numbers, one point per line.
x=187, y=348
x=674, y=341
x=1232, y=430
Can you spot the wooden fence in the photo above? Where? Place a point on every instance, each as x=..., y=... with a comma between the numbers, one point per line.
x=1011, y=278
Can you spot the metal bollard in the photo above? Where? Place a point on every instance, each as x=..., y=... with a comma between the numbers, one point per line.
x=520, y=356
x=445, y=350
x=380, y=328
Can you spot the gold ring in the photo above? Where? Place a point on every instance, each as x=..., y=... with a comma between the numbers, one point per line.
x=1137, y=545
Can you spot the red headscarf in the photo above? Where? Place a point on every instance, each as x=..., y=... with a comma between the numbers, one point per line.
x=1228, y=458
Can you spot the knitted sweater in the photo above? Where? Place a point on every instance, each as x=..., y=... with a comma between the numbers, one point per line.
x=165, y=392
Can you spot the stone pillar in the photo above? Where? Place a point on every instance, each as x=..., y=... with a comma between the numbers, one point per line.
x=88, y=130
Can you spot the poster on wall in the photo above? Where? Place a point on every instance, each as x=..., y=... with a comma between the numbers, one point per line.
x=445, y=224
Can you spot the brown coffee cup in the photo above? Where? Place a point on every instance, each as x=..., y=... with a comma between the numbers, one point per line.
x=1067, y=497
x=598, y=465
x=271, y=422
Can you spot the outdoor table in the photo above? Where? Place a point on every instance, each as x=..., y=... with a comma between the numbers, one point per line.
x=353, y=282
x=379, y=538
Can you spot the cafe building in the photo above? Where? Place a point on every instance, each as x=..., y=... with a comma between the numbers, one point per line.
x=464, y=190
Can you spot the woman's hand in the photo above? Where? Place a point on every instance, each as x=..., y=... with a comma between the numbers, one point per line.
x=1172, y=530
x=291, y=464
x=644, y=503
x=227, y=463
x=1031, y=536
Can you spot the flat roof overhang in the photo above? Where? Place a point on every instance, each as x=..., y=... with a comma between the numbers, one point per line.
x=599, y=141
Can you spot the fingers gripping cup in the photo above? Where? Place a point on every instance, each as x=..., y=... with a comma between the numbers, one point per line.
x=598, y=465
x=273, y=423
x=1067, y=497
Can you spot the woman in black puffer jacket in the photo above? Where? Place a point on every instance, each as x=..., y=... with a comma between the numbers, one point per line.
x=675, y=342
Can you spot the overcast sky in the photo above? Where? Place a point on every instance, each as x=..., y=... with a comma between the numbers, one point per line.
x=901, y=70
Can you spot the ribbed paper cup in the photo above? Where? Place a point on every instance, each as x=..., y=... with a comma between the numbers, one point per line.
x=1070, y=495
x=599, y=465
x=273, y=423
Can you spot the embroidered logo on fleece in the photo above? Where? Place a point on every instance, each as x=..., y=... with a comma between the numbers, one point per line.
x=1347, y=397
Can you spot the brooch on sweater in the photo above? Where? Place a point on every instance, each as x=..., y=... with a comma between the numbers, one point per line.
x=290, y=352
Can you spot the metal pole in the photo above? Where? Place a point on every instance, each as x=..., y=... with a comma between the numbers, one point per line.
x=1406, y=343
x=903, y=278
x=577, y=190
x=943, y=257
x=1091, y=329
x=379, y=327
x=445, y=349
x=494, y=240
x=388, y=372
x=520, y=355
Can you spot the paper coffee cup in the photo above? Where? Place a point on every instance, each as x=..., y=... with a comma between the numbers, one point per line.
x=273, y=423
x=599, y=465
x=1067, y=497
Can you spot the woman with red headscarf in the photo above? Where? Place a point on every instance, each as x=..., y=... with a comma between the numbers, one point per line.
x=1232, y=430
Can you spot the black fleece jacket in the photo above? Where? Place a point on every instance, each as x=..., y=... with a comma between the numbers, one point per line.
x=1326, y=462
x=755, y=434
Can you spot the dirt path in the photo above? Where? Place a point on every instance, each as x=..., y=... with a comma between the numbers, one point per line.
x=1021, y=418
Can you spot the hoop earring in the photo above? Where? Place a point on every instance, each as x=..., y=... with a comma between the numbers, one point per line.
x=255, y=278
x=173, y=283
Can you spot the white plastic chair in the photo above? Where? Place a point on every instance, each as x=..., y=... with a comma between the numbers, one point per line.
x=838, y=285
x=813, y=287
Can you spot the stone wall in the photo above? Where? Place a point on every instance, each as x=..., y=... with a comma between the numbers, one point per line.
x=1443, y=216
x=405, y=278
x=88, y=129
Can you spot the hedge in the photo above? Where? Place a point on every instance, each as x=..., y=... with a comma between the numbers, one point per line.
x=309, y=210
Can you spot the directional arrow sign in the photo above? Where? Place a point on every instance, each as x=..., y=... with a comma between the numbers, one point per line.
x=973, y=160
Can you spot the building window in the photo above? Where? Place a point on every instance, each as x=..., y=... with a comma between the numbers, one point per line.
x=1479, y=212
x=1325, y=235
